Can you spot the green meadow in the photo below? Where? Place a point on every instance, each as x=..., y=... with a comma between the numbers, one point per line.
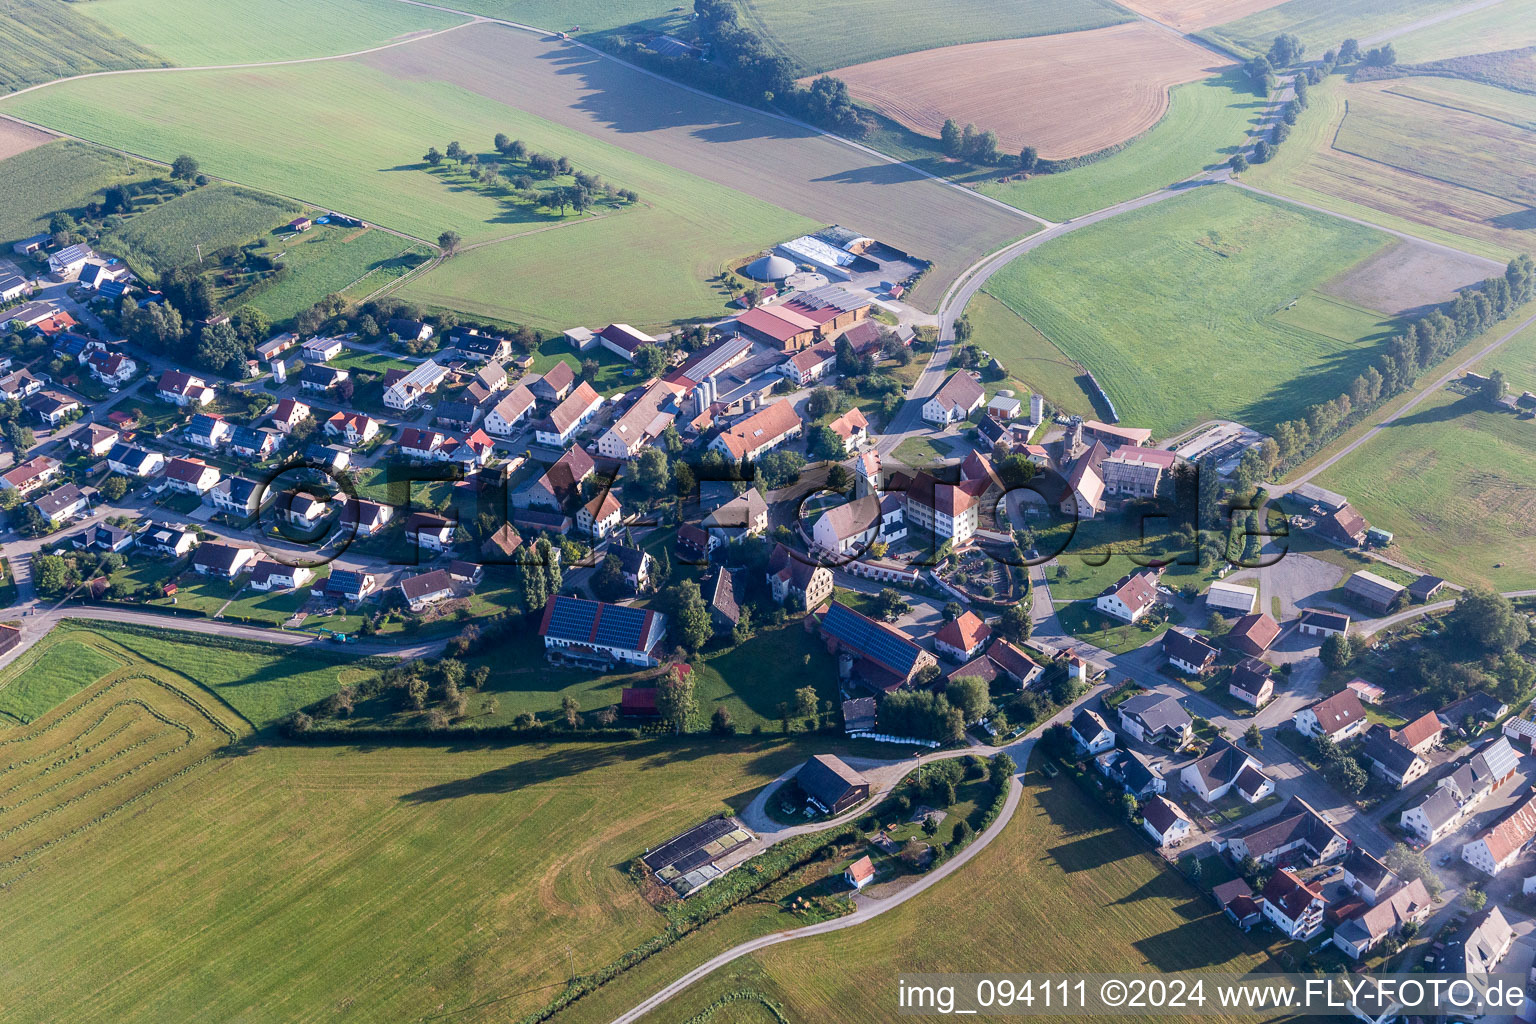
x=1323, y=24
x=41, y=40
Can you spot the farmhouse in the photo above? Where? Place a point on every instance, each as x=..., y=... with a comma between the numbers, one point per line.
x=1188, y=652
x=1373, y=592
x=426, y=589
x=1156, y=718
x=1084, y=494
x=183, y=389
x=1297, y=828
x=1135, y=472
x=560, y=485
x=999, y=666
x=1485, y=942
x=565, y=419
x=1344, y=527
x=1231, y=597
x=847, y=528
x=1338, y=717
x=1165, y=821
x=1130, y=597
x=511, y=412
x=808, y=365
x=1293, y=906
x=555, y=384
x=598, y=633
x=766, y=429
x=642, y=423
x=884, y=657
x=1251, y=683
x=600, y=516
x=1320, y=623
x=956, y=399
x=1420, y=735
x=1091, y=732
x=830, y=784
x=792, y=575
x=961, y=638
x=458, y=415
x=1498, y=847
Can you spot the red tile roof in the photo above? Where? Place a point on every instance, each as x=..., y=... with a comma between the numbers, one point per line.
x=964, y=632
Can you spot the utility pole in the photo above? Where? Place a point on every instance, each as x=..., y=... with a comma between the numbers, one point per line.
x=199, y=253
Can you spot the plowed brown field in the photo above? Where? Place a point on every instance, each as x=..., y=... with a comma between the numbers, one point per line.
x=1066, y=95
x=1191, y=15
x=18, y=138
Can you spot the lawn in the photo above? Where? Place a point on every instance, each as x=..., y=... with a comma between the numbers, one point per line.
x=170, y=235
x=614, y=374
x=1082, y=620
x=1100, y=551
x=1322, y=24
x=1206, y=123
x=1456, y=485
x=397, y=883
x=1032, y=362
x=1194, y=282
x=822, y=37
x=1064, y=867
x=64, y=175
x=41, y=40
x=326, y=260
x=61, y=671
x=922, y=451
x=199, y=32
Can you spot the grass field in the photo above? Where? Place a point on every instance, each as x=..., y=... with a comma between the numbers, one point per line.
x=198, y=32
x=1518, y=361
x=63, y=175
x=1504, y=26
x=393, y=884
x=820, y=37
x=1322, y=24
x=1310, y=169
x=57, y=674
x=41, y=40
x=1206, y=123
x=167, y=236
x=1064, y=867
x=1190, y=15
x=1456, y=485
x=1196, y=281
x=325, y=260
x=561, y=15
x=1032, y=362
x=1459, y=147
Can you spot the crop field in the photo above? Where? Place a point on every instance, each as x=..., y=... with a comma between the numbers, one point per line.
x=41, y=40
x=1309, y=168
x=1324, y=23
x=516, y=856
x=1456, y=485
x=1196, y=281
x=167, y=236
x=808, y=34
x=1406, y=277
x=1490, y=101
x=1064, y=867
x=63, y=175
x=1506, y=25
x=326, y=260
x=1193, y=15
x=584, y=16
x=1459, y=147
x=18, y=138
x=104, y=730
x=1066, y=95
x=1207, y=121
x=199, y=32
x=1032, y=362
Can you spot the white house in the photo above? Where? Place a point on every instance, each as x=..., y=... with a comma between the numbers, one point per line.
x=1091, y=732
x=183, y=389
x=1212, y=775
x=567, y=418
x=1293, y=906
x=510, y=413
x=191, y=476
x=848, y=529
x=958, y=397
x=1338, y=717
x=267, y=574
x=1497, y=848
x=1130, y=597
x=404, y=393
x=1164, y=821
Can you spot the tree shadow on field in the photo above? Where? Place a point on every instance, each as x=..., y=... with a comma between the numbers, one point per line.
x=875, y=174
x=1198, y=943
x=1165, y=885
x=1466, y=405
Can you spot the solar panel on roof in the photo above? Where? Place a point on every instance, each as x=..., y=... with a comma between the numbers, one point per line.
x=879, y=644
x=572, y=619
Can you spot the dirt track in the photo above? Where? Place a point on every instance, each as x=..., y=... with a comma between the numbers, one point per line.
x=763, y=156
x=1066, y=95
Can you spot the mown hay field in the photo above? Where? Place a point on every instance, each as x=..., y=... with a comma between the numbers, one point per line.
x=1517, y=359
x=1065, y=888
x=1032, y=362
x=1322, y=24
x=1309, y=168
x=1197, y=281
x=1066, y=95
x=193, y=33
x=1506, y=25
x=1455, y=482
x=1207, y=121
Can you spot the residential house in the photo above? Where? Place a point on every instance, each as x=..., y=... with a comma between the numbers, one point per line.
x=430, y=531
x=426, y=589
x=1338, y=717
x=253, y=443
x=1368, y=877
x=460, y=415
x=1457, y=795
x=1188, y=652
x=95, y=439
x=809, y=365
x=635, y=564
x=237, y=496
x=51, y=407
x=1253, y=634
x=304, y=509
x=695, y=545
x=962, y=637
x=851, y=427
x=509, y=414
x=1497, y=848
x=133, y=461
x=793, y=575
x=1361, y=933
x=369, y=517
x=1165, y=821
x=225, y=560
x=353, y=428
x=330, y=457
x=268, y=574
x=1315, y=622
x=1133, y=772
x=183, y=389
x=207, y=431
x=641, y=424
x=320, y=378
x=567, y=418
x=350, y=585
x=748, y=439
x=403, y=393
x=555, y=384
x=20, y=385
x=596, y=632
x=30, y=475
x=1476, y=708
x=829, y=784
x=745, y=515
x=884, y=658
x=847, y=529
x=1130, y=597
x=71, y=259
x=1373, y=591
x=112, y=369
x=290, y=412
x=421, y=444
x=559, y=488
x=191, y=476
x=1236, y=900
x=481, y=348
x=105, y=537
x=1297, y=829
x=409, y=330
x=1091, y=732
x=1480, y=947
x=1156, y=718
x=1251, y=682
x=1212, y=775
x=61, y=503
x=1293, y=906
x=1420, y=735
x=600, y=516
x=959, y=396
